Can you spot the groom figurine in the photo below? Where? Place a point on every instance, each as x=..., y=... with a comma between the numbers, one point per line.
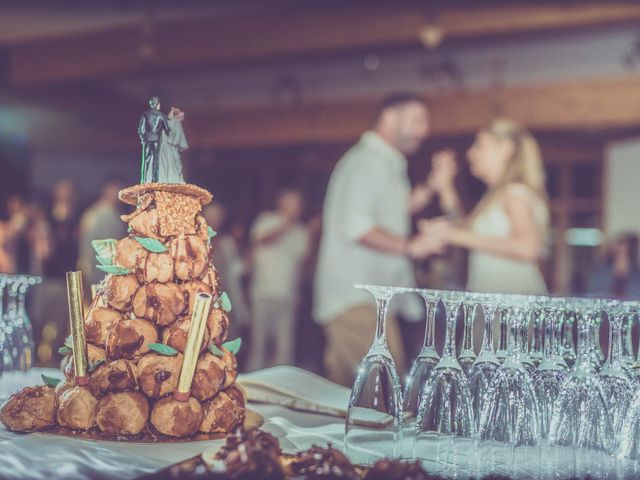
x=152, y=124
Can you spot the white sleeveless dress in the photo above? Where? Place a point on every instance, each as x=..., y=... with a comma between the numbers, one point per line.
x=497, y=274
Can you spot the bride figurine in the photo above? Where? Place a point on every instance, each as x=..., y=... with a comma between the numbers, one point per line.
x=172, y=145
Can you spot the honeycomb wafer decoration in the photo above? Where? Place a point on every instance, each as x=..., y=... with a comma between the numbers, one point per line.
x=176, y=213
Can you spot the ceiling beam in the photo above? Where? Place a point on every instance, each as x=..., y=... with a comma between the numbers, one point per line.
x=217, y=41
x=594, y=104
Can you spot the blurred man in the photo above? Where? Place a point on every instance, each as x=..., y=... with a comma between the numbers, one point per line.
x=280, y=244
x=63, y=219
x=366, y=236
x=231, y=266
x=100, y=221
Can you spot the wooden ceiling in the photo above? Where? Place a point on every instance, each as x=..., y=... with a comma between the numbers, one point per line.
x=73, y=73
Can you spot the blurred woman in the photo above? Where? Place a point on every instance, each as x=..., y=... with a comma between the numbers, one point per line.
x=505, y=233
x=7, y=265
x=618, y=275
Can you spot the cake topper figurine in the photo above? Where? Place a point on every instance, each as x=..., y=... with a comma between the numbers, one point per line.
x=163, y=140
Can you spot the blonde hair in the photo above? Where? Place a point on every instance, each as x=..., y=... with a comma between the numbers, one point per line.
x=524, y=167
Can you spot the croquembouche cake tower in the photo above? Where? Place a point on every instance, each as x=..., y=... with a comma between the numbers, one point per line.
x=151, y=356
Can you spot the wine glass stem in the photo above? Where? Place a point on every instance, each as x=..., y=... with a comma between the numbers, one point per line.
x=627, y=342
x=549, y=335
x=450, y=332
x=467, y=339
x=429, y=331
x=487, y=339
x=584, y=332
x=380, y=341
x=504, y=329
x=615, y=352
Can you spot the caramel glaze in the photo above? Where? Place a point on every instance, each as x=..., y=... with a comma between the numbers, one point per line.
x=160, y=377
x=148, y=435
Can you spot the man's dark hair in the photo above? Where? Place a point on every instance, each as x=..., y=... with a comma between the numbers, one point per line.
x=399, y=99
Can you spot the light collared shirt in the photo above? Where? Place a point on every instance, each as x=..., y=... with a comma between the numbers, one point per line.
x=368, y=188
x=277, y=265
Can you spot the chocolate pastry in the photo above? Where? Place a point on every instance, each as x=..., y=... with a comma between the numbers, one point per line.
x=238, y=396
x=98, y=323
x=160, y=303
x=94, y=354
x=211, y=278
x=119, y=290
x=77, y=409
x=155, y=267
x=322, y=463
x=30, y=409
x=218, y=325
x=202, y=228
x=191, y=256
x=129, y=253
x=177, y=419
x=230, y=368
x=220, y=414
x=146, y=224
x=191, y=289
x=123, y=413
x=388, y=469
x=176, y=334
x=116, y=376
x=130, y=339
x=251, y=454
x=208, y=378
x=63, y=387
x=158, y=374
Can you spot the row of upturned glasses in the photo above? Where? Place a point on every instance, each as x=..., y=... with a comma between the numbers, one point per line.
x=16, y=333
x=530, y=405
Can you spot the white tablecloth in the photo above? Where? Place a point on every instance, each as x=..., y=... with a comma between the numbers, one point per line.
x=41, y=456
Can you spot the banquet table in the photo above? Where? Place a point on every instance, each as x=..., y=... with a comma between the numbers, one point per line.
x=39, y=456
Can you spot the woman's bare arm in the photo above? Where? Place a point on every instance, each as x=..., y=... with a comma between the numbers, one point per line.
x=526, y=241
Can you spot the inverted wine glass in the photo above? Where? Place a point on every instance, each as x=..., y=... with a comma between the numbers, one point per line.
x=550, y=375
x=445, y=418
x=467, y=355
x=616, y=382
x=581, y=417
x=425, y=362
x=510, y=421
x=486, y=364
x=374, y=418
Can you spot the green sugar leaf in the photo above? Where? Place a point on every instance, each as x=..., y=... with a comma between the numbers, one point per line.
x=96, y=364
x=67, y=347
x=216, y=351
x=163, y=349
x=233, y=346
x=64, y=350
x=211, y=232
x=151, y=244
x=113, y=269
x=50, y=381
x=224, y=302
x=104, y=248
x=102, y=260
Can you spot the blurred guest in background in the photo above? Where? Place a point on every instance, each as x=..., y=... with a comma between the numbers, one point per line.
x=50, y=305
x=39, y=237
x=63, y=219
x=6, y=260
x=279, y=247
x=231, y=266
x=618, y=275
x=506, y=231
x=100, y=221
x=366, y=236
x=16, y=234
